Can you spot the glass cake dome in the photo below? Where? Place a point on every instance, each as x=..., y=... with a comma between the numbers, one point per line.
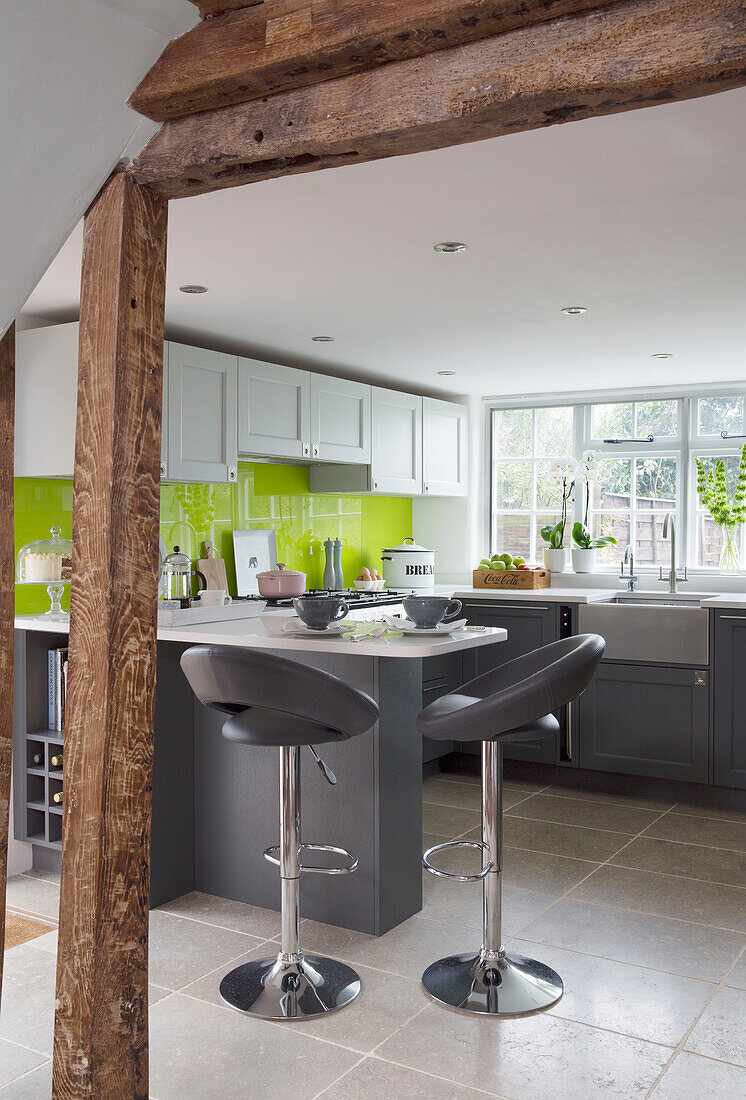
x=47, y=561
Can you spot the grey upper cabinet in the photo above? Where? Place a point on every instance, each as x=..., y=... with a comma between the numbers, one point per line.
x=729, y=698
x=644, y=719
x=396, y=456
x=445, y=448
x=274, y=410
x=202, y=422
x=340, y=420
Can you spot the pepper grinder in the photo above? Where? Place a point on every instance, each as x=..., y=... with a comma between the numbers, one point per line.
x=339, y=580
x=329, y=578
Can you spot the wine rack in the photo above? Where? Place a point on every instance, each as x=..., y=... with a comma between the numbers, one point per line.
x=43, y=780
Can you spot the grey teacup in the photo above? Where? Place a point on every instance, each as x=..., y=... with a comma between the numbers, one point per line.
x=427, y=611
x=317, y=612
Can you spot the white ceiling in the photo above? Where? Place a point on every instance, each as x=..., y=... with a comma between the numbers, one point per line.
x=639, y=217
x=66, y=71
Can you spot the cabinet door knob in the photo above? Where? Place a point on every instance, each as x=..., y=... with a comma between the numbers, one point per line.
x=306, y=448
x=427, y=487
x=163, y=469
x=375, y=484
x=231, y=473
x=315, y=450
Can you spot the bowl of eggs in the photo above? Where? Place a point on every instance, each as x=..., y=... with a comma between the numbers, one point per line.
x=370, y=580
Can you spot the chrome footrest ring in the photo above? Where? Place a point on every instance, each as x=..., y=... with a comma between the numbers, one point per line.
x=478, y=845
x=272, y=855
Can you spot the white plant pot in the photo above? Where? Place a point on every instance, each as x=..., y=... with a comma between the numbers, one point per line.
x=583, y=561
x=556, y=560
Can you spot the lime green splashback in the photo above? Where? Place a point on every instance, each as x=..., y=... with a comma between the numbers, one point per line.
x=266, y=495
x=39, y=505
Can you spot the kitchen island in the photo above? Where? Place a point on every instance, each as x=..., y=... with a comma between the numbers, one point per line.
x=215, y=803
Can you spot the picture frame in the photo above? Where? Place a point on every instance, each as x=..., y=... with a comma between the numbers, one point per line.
x=255, y=551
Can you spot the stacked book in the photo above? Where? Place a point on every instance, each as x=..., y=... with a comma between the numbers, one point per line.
x=57, y=679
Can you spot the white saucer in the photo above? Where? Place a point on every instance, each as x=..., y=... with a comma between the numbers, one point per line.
x=300, y=630
x=408, y=627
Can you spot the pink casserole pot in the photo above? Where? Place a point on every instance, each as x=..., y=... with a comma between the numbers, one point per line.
x=281, y=583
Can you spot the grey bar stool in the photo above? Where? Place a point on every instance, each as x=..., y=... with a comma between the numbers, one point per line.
x=281, y=703
x=510, y=703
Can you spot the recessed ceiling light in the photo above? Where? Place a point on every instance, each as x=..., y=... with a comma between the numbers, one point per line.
x=663, y=355
x=574, y=311
x=446, y=373
x=450, y=246
x=323, y=339
x=193, y=288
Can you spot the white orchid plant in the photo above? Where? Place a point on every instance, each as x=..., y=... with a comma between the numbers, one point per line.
x=581, y=535
x=566, y=472
x=563, y=472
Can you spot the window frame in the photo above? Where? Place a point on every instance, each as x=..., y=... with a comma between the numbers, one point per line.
x=533, y=460
x=684, y=447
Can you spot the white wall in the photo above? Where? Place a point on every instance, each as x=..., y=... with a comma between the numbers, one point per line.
x=66, y=72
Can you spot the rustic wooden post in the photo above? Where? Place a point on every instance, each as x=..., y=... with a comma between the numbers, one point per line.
x=7, y=604
x=101, y=1022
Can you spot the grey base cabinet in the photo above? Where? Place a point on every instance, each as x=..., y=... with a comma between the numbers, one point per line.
x=728, y=648
x=529, y=627
x=646, y=720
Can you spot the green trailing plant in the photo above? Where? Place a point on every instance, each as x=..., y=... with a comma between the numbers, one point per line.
x=712, y=491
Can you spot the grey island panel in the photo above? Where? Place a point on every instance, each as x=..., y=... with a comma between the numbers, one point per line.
x=374, y=810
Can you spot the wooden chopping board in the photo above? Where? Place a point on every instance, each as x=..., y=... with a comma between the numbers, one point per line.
x=213, y=568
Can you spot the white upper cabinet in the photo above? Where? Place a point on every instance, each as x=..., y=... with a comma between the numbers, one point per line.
x=445, y=448
x=46, y=401
x=202, y=423
x=274, y=410
x=396, y=455
x=340, y=420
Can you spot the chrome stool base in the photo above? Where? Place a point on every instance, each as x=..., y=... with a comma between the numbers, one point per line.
x=273, y=989
x=494, y=985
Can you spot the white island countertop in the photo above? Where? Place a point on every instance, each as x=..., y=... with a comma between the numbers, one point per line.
x=252, y=634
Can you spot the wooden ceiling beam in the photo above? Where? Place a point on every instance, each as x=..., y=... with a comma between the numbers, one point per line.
x=285, y=44
x=633, y=54
x=210, y=8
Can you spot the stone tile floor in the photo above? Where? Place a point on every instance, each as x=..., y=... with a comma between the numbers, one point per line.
x=640, y=905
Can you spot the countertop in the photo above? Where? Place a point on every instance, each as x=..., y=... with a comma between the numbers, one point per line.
x=728, y=599
x=253, y=634
x=537, y=595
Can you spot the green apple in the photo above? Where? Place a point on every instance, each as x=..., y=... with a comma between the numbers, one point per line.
x=498, y=565
x=519, y=561
x=507, y=559
x=485, y=563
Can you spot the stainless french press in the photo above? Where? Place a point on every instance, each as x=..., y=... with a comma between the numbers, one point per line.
x=177, y=577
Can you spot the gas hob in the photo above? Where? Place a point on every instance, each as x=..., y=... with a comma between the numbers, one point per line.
x=354, y=599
